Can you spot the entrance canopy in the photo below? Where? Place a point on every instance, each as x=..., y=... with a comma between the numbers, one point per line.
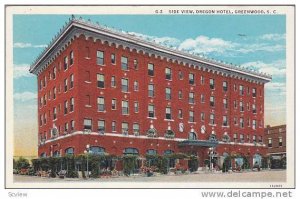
x=201, y=143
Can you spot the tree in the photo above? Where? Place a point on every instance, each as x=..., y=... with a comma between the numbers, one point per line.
x=22, y=163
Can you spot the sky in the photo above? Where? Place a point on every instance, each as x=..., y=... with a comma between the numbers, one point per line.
x=254, y=42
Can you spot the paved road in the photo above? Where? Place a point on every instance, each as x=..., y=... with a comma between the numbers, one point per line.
x=262, y=176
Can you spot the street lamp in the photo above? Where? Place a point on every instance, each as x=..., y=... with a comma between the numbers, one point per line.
x=87, y=151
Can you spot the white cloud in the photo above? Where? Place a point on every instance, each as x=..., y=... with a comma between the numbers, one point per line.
x=25, y=96
x=21, y=70
x=203, y=44
x=276, y=68
x=273, y=37
x=165, y=41
x=28, y=45
x=274, y=89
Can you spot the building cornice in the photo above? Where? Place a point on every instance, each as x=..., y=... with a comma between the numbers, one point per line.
x=76, y=27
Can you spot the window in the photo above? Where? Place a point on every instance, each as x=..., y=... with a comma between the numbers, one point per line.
x=234, y=104
x=254, y=108
x=100, y=57
x=113, y=104
x=66, y=127
x=151, y=111
x=54, y=113
x=235, y=121
x=180, y=94
x=212, y=101
x=280, y=141
x=100, y=81
x=241, y=90
x=168, y=93
x=253, y=92
x=168, y=113
x=202, y=116
x=241, y=106
x=72, y=104
x=202, y=98
x=87, y=124
x=72, y=125
x=225, y=103
x=113, y=58
x=66, y=85
x=235, y=137
x=241, y=122
x=225, y=120
x=124, y=63
x=191, y=79
x=113, y=126
x=151, y=152
x=248, y=106
x=97, y=150
x=124, y=85
x=202, y=80
x=260, y=139
x=136, y=128
x=191, y=116
x=168, y=73
x=41, y=120
x=180, y=116
x=69, y=151
x=270, y=142
x=212, y=83
x=66, y=63
x=254, y=124
x=242, y=138
x=212, y=118
x=113, y=81
x=135, y=86
x=71, y=57
x=136, y=107
x=150, y=69
x=66, y=107
x=54, y=73
x=248, y=122
x=180, y=75
x=54, y=93
x=101, y=126
x=254, y=138
x=192, y=136
x=125, y=128
x=191, y=98
x=225, y=87
x=135, y=64
x=71, y=81
x=101, y=104
x=150, y=90
x=125, y=108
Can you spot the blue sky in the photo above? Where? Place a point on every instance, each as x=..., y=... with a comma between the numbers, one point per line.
x=256, y=42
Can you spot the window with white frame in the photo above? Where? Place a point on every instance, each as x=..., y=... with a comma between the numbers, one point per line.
x=241, y=122
x=65, y=62
x=101, y=104
x=66, y=85
x=225, y=86
x=113, y=81
x=241, y=90
x=202, y=98
x=100, y=57
x=87, y=124
x=100, y=81
x=124, y=85
x=202, y=116
x=225, y=103
x=212, y=84
x=71, y=81
x=124, y=63
x=136, y=107
x=212, y=118
x=72, y=124
x=113, y=58
x=180, y=94
x=253, y=92
x=254, y=124
x=270, y=142
x=71, y=58
x=125, y=107
x=150, y=90
x=72, y=104
x=191, y=98
x=202, y=80
x=135, y=64
x=101, y=126
x=191, y=79
x=66, y=107
x=180, y=115
x=180, y=75
x=54, y=113
x=168, y=73
x=168, y=93
x=212, y=101
x=151, y=111
x=135, y=86
x=254, y=108
x=125, y=128
x=113, y=104
x=242, y=139
x=136, y=128
x=168, y=113
x=150, y=69
x=241, y=106
x=113, y=126
x=191, y=116
x=225, y=120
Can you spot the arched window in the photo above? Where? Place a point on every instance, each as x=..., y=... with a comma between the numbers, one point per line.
x=97, y=150
x=69, y=151
x=192, y=136
x=168, y=152
x=130, y=151
x=43, y=155
x=151, y=152
x=56, y=154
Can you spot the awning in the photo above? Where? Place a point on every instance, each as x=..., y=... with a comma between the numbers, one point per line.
x=202, y=143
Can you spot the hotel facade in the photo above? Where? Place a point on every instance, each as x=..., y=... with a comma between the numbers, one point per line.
x=121, y=94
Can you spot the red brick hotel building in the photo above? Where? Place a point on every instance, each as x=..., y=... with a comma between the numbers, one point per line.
x=121, y=94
